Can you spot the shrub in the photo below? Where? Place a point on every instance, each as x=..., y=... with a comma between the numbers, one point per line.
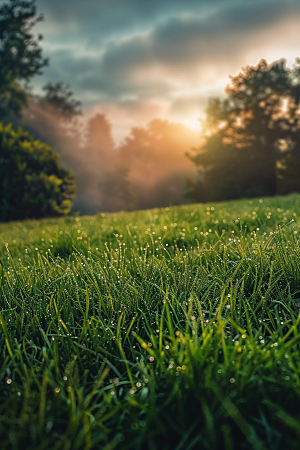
x=32, y=182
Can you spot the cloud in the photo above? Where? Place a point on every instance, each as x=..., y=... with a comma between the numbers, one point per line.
x=183, y=50
x=174, y=54
x=107, y=19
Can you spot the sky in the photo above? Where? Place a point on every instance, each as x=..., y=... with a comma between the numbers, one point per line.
x=135, y=60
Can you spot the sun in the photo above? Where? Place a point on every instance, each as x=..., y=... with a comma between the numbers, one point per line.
x=193, y=124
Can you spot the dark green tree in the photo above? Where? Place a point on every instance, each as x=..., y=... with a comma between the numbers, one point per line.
x=32, y=182
x=60, y=99
x=249, y=135
x=20, y=54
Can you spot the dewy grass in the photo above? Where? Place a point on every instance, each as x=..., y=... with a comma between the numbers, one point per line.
x=173, y=329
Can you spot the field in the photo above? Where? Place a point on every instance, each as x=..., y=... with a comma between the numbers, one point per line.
x=167, y=329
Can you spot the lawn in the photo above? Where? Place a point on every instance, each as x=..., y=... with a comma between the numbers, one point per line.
x=166, y=329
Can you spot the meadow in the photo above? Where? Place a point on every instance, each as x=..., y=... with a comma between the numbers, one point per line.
x=165, y=329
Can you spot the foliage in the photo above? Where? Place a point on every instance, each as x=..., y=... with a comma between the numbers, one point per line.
x=32, y=182
x=165, y=329
x=87, y=156
x=59, y=97
x=20, y=54
x=252, y=136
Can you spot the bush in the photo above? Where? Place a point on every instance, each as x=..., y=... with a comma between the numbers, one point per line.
x=32, y=182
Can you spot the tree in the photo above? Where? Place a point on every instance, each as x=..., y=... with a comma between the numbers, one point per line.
x=32, y=182
x=60, y=99
x=98, y=162
x=246, y=134
x=20, y=54
x=53, y=118
x=99, y=142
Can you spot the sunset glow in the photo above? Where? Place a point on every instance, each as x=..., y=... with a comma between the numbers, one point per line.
x=166, y=53
x=193, y=124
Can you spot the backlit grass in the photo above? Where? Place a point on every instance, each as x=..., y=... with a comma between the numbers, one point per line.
x=173, y=328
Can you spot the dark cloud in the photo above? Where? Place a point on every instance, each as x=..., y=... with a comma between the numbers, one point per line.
x=174, y=52
x=146, y=64
x=98, y=21
x=103, y=19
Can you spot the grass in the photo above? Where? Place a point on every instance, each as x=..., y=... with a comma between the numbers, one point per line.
x=174, y=328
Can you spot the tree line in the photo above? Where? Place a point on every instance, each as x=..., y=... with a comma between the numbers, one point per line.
x=147, y=169
x=249, y=144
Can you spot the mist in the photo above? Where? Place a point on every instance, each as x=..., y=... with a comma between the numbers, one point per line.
x=147, y=169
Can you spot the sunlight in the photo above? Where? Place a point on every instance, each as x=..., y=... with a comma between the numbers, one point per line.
x=285, y=105
x=193, y=124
